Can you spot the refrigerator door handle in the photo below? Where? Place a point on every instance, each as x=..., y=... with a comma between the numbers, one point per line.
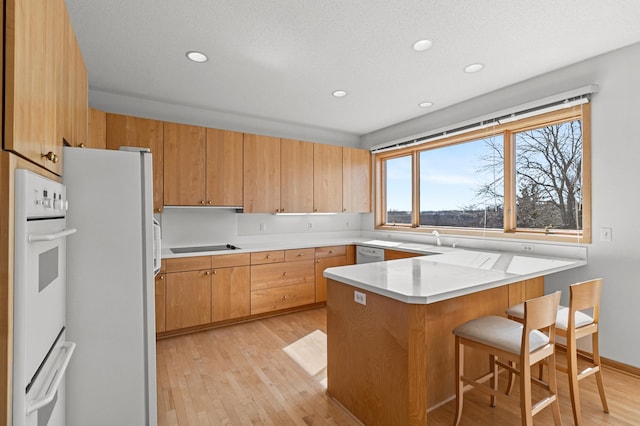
x=50, y=237
x=59, y=370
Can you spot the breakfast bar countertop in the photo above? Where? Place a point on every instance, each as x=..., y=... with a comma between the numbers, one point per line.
x=429, y=279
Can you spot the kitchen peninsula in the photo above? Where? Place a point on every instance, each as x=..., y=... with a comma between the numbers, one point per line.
x=390, y=346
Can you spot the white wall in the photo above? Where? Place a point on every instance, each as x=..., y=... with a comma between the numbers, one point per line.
x=205, y=226
x=615, y=176
x=146, y=108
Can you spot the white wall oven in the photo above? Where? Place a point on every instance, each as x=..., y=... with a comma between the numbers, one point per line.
x=41, y=354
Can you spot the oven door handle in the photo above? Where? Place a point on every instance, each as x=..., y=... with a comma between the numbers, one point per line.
x=61, y=368
x=50, y=237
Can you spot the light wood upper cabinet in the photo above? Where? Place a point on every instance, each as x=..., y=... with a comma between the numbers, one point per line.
x=327, y=178
x=35, y=80
x=224, y=167
x=184, y=165
x=97, y=129
x=356, y=180
x=124, y=130
x=78, y=94
x=296, y=171
x=261, y=174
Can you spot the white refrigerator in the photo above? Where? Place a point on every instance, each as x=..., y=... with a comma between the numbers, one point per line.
x=110, y=288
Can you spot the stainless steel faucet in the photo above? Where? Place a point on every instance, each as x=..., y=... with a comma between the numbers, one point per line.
x=437, y=235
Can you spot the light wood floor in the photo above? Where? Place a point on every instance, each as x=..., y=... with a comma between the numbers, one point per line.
x=240, y=375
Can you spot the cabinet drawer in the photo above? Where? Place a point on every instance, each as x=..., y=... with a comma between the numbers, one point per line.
x=282, y=274
x=229, y=260
x=298, y=254
x=274, y=299
x=261, y=257
x=188, y=263
x=331, y=251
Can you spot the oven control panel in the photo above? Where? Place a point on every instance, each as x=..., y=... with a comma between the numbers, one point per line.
x=44, y=197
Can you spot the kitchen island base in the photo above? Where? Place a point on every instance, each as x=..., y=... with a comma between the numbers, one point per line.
x=388, y=361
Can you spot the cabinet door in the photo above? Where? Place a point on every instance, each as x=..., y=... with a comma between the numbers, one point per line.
x=188, y=299
x=230, y=293
x=123, y=130
x=327, y=178
x=80, y=94
x=261, y=174
x=356, y=180
x=33, y=80
x=224, y=167
x=399, y=254
x=184, y=165
x=296, y=185
x=160, y=302
x=97, y=129
x=321, y=281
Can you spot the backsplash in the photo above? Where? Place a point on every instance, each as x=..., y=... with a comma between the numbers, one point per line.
x=187, y=226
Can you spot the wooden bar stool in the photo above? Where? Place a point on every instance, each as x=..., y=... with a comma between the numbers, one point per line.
x=521, y=345
x=572, y=324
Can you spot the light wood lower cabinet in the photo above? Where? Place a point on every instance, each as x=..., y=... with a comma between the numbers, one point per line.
x=281, y=284
x=327, y=257
x=230, y=293
x=398, y=254
x=161, y=289
x=188, y=299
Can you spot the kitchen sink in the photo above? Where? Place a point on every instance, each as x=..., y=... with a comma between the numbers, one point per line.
x=203, y=248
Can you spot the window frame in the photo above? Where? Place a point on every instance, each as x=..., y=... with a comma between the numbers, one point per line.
x=508, y=130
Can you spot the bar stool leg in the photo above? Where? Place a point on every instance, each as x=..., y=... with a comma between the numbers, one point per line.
x=553, y=386
x=512, y=377
x=525, y=396
x=596, y=360
x=459, y=383
x=494, y=377
x=572, y=372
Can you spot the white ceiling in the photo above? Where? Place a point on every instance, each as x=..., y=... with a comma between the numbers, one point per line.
x=281, y=59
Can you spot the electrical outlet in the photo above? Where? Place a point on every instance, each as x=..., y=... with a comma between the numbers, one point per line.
x=263, y=227
x=310, y=225
x=606, y=234
x=528, y=248
x=360, y=298
x=346, y=224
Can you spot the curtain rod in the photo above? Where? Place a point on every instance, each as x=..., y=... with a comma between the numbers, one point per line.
x=552, y=103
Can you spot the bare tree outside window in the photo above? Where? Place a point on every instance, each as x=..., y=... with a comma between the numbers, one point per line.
x=549, y=177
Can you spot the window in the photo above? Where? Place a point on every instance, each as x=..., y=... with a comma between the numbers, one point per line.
x=522, y=178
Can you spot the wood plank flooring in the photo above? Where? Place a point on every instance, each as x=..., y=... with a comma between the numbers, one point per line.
x=240, y=375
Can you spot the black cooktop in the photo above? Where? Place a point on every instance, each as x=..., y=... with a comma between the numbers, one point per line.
x=203, y=248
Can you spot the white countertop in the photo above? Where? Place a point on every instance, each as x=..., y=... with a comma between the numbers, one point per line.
x=284, y=244
x=429, y=279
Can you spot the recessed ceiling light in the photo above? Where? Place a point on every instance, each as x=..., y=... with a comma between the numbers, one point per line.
x=339, y=93
x=425, y=104
x=197, y=56
x=422, y=45
x=470, y=69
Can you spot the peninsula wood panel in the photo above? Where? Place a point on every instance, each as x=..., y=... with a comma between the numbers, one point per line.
x=123, y=130
x=282, y=274
x=188, y=296
x=524, y=290
x=224, y=175
x=230, y=293
x=261, y=174
x=384, y=335
x=327, y=178
x=97, y=129
x=356, y=185
x=274, y=299
x=410, y=339
x=185, y=165
x=296, y=186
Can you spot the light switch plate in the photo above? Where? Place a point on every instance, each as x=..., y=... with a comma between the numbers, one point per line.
x=606, y=234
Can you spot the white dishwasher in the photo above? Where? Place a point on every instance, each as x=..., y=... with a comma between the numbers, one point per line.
x=366, y=254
